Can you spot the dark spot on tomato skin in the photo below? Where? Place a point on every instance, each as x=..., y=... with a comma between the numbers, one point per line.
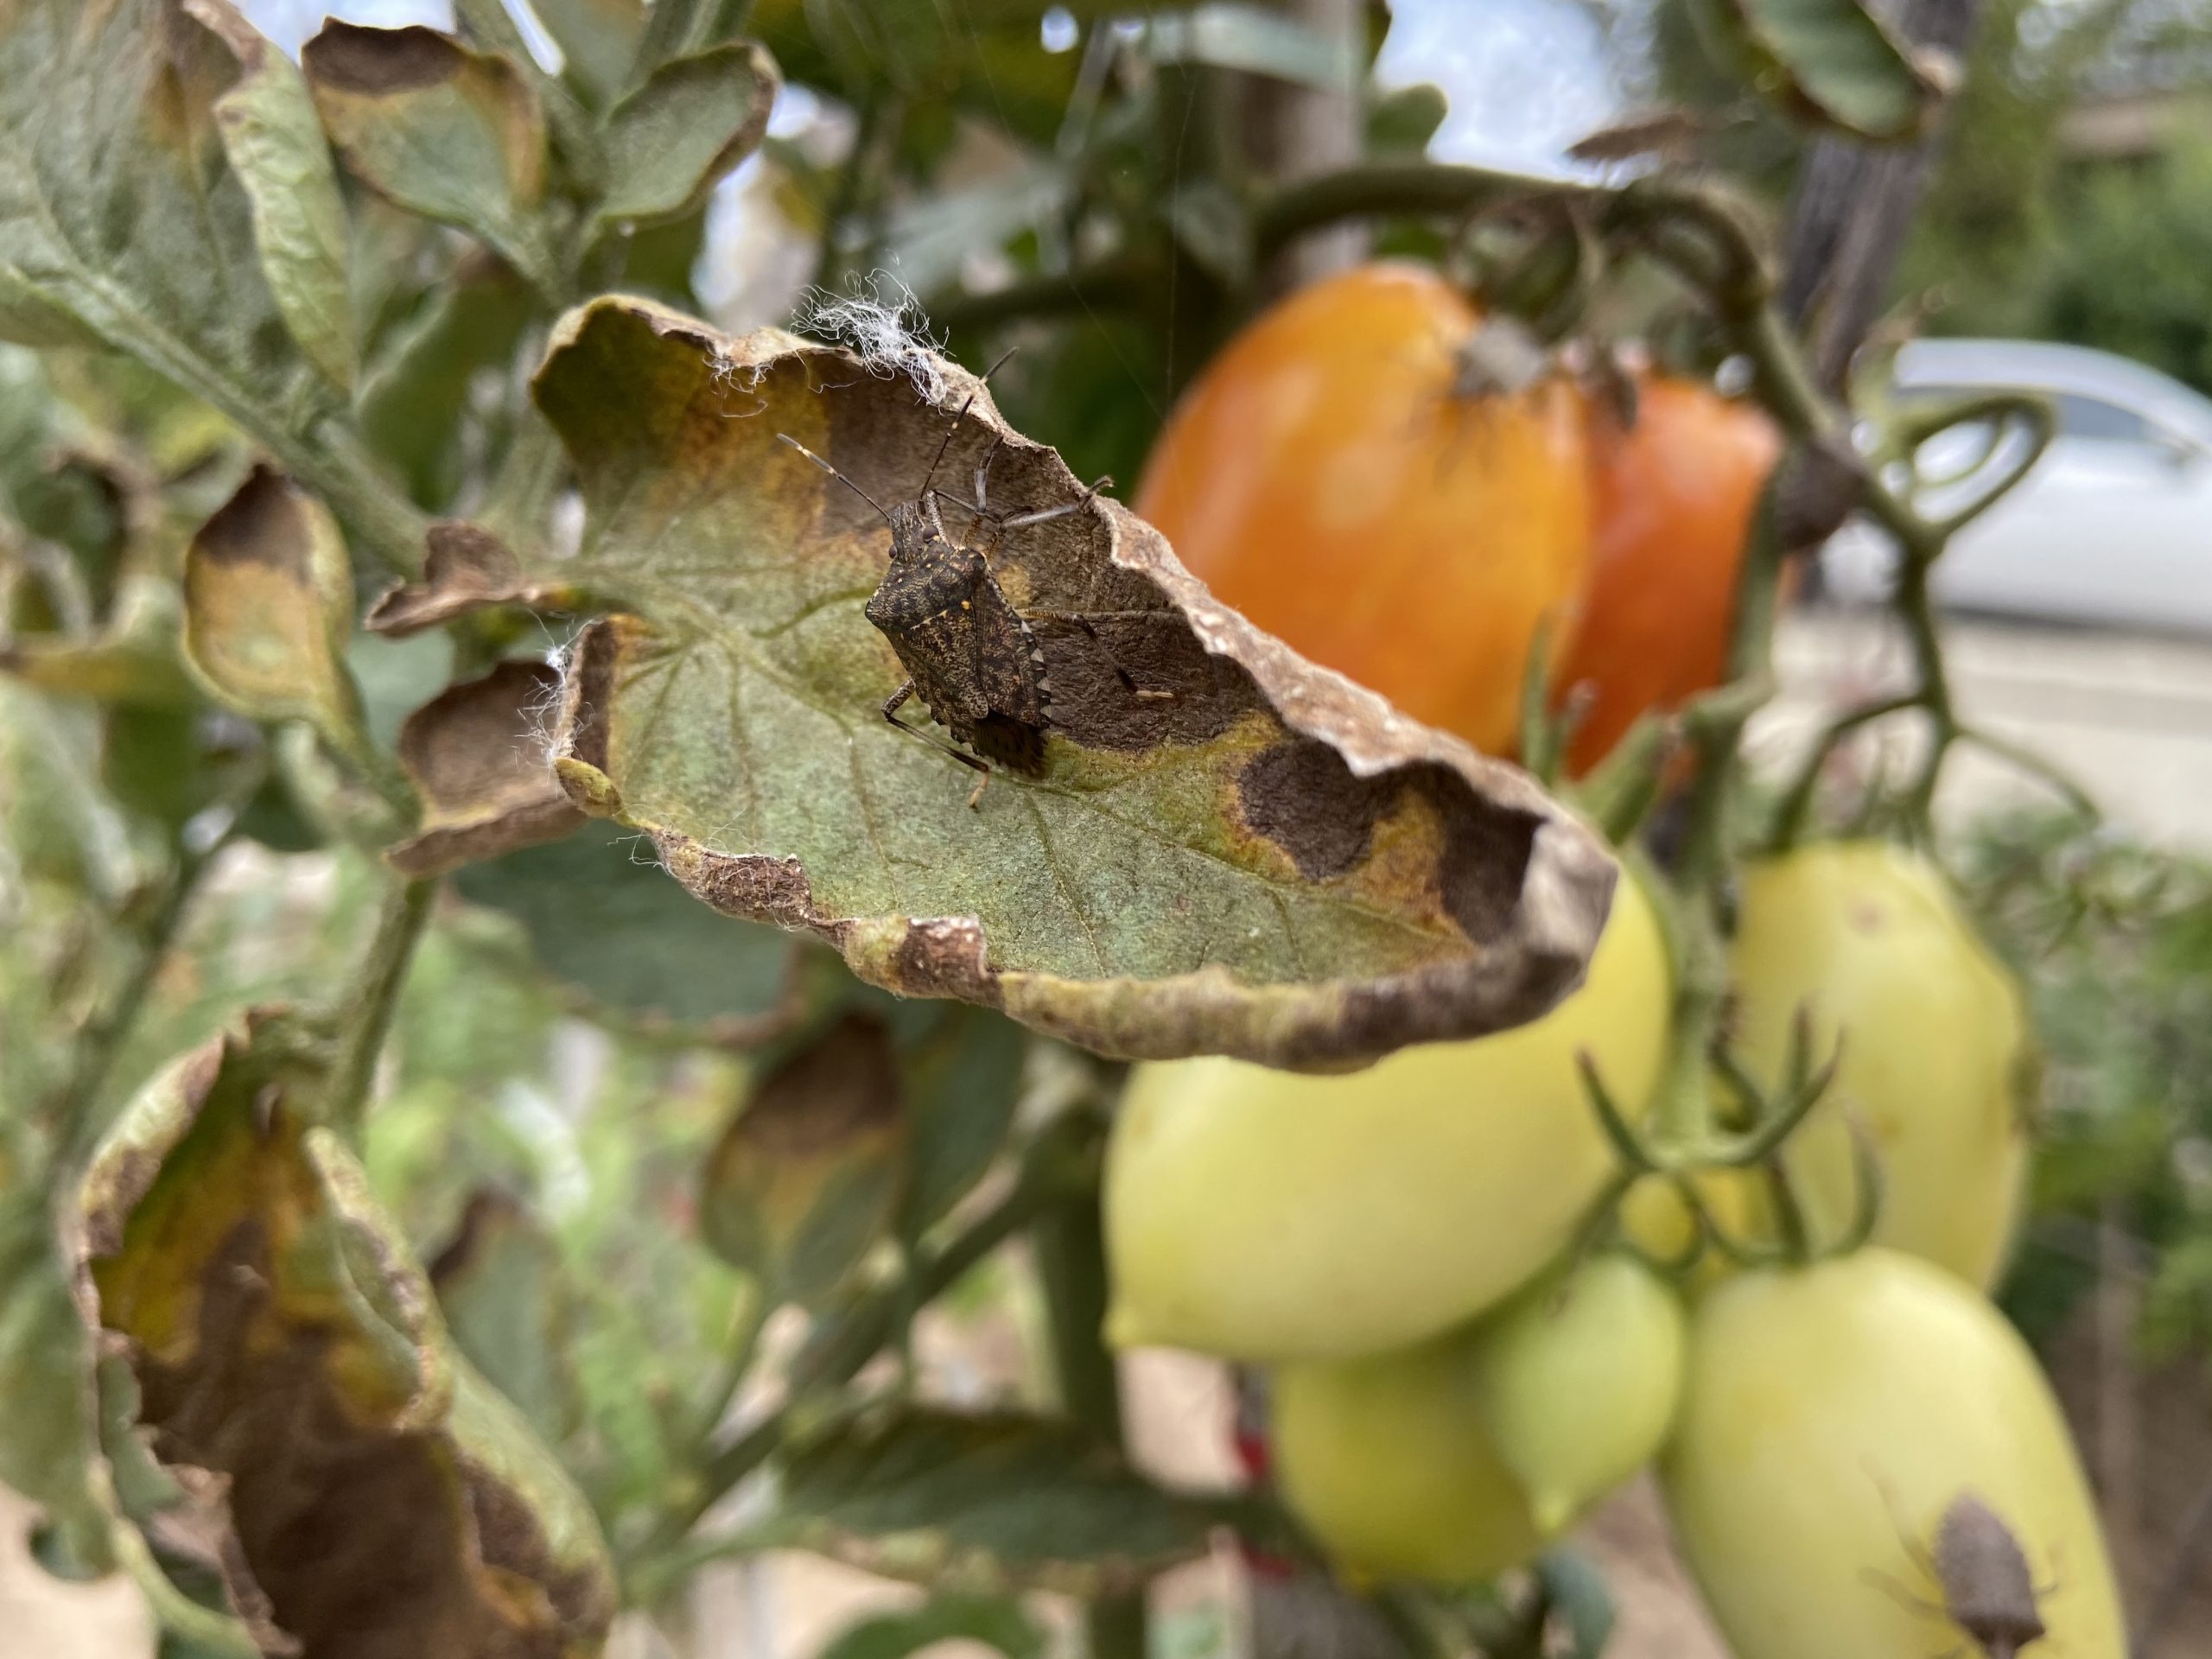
x=1866, y=917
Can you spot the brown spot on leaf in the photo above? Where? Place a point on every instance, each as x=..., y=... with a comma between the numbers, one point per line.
x=262, y=524
x=1488, y=849
x=1302, y=796
x=378, y=61
x=842, y=1082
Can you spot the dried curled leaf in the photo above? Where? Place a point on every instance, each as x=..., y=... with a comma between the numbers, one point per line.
x=1222, y=848
x=376, y=1495
x=449, y=133
x=268, y=606
x=467, y=568
x=477, y=759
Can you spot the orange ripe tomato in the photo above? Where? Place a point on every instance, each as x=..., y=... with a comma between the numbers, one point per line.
x=1674, y=496
x=1322, y=477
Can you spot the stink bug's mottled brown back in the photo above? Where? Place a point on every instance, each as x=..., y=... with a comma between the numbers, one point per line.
x=969, y=655
x=1979, y=1566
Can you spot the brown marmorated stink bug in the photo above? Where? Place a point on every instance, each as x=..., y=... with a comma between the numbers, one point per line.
x=1988, y=1591
x=968, y=654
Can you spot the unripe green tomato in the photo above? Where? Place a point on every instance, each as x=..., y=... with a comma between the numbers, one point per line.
x=1577, y=1381
x=1386, y=1462
x=1830, y=1416
x=1936, y=1049
x=1265, y=1215
x=1453, y=1461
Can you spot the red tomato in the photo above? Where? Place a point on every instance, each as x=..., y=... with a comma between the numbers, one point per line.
x=1322, y=477
x=1673, y=499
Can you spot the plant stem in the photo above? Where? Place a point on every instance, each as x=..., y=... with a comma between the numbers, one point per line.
x=375, y=1000
x=1062, y=1158
x=1069, y=1238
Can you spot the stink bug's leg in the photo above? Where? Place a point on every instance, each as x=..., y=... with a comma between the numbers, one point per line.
x=983, y=472
x=897, y=700
x=1877, y=1579
x=1088, y=621
x=1047, y=514
x=1915, y=1550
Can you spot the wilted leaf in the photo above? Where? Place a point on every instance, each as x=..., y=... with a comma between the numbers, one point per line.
x=1833, y=63
x=994, y=1621
x=276, y=147
x=499, y=1288
x=267, y=604
x=1223, y=848
x=611, y=925
x=690, y=123
x=120, y=220
x=449, y=133
x=806, y=1178
x=467, y=567
x=982, y=1504
x=381, y=1498
x=476, y=754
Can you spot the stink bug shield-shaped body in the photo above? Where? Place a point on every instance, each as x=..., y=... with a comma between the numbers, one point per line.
x=1988, y=1590
x=969, y=656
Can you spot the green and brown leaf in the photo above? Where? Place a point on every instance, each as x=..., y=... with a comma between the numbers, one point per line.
x=294, y=1371
x=1225, y=848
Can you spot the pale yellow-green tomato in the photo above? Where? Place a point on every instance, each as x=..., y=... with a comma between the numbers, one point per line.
x=1386, y=1461
x=1451, y=1460
x=1830, y=1415
x=1936, y=1049
x=1266, y=1215
x=1577, y=1381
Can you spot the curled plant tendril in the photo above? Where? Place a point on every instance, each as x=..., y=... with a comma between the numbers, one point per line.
x=1775, y=1117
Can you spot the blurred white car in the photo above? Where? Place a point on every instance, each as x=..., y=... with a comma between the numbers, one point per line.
x=2114, y=524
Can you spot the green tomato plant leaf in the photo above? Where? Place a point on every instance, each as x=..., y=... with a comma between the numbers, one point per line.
x=982, y=1504
x=289, y=1357
x=962, y=1080
x=994, y=1622
x=47, y=1431
x=598, y=40
x=692, y=121
x=415, y=404
x=610, y=925
x=1828, y=63
x=1221, y=848
x=118, y=213
x=476, y=755
x=275, y=147
x=131, y=658
x=807, y=1179
x=500, y=1286
x=268, y=607
x=442, y=131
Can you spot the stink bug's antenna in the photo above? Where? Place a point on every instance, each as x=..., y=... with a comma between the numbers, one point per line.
x=961, y=415
x=834, y=473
